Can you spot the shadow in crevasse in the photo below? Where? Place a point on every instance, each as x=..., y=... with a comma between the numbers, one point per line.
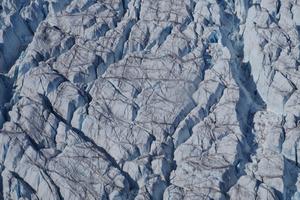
x=249, y=101
x=6, y=94
x=290, y=176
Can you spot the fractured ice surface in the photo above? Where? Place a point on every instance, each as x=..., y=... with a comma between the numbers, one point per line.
x=149, y=99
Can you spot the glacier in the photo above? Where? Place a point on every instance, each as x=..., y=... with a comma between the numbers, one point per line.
x=149, y=99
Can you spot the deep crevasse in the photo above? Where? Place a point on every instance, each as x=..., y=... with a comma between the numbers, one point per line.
x=149, y=99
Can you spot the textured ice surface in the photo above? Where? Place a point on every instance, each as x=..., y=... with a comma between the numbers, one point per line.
x=149, y=99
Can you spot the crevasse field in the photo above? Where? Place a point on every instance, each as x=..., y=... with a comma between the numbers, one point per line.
x=149, y=99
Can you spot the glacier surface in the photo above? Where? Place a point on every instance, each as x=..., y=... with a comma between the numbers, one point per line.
x=149, y=99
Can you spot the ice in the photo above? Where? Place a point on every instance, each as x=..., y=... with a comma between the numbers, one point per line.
x=149, y=99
